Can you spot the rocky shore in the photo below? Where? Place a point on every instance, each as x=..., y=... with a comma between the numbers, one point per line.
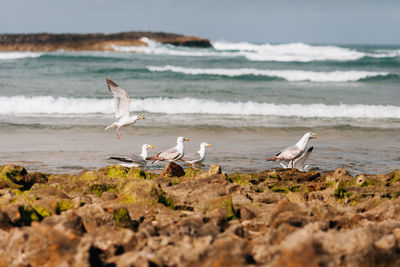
x=118, y=216
x=44, y=42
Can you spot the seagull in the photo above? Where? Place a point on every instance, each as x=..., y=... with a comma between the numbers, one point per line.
x=172, y=154
x=135, y=160
x=293, y=152
x=122, y=102
x=299, y=163
x=198, y=157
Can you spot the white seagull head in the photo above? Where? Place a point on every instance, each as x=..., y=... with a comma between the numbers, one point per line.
x=182, y=139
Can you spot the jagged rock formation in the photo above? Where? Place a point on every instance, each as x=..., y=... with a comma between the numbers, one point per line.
x=92, y=42
x=118, y=216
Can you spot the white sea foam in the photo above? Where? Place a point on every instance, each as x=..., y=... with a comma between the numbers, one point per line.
x=289, y=75
x=17, y=55
x=155, y=48
x=290, y=52
x=48, y=105
x=299, y=52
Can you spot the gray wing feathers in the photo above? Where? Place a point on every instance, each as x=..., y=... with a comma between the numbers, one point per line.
x=191, y=157
x=122, y=99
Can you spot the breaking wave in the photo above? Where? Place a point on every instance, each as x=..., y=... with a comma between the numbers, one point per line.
x=289, y=75
x=48, y=105
x=18, y=55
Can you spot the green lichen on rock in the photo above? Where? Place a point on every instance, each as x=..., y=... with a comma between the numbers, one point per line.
x=100, y=188
x=138, y=174
x=239, y=178
x=278, y=189
x=64, y=205
x=193, y=172
x=139, y=191
x=89, y=176
x=42, y=211
x=224, y=205
x=12, y=176
x=121, y=216
x=30, y=214
x=117, y=171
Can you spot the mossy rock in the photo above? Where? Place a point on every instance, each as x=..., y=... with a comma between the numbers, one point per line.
x=30, y=214
x=13, y=176
x=224, y=205
x=279, y=189
x=239, y=178
x=138, y=174
x=100, y=188
x=64, y=205
x=193, y=172
x=139, y=191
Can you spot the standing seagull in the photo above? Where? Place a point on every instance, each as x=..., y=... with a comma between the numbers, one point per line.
x=171, y=154
x=135, y=160
x=122, y=102
x=293, y=152
x=198, y=157
x=300, y=162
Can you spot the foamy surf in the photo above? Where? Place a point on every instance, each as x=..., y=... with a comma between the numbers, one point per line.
x=289, y=75
x=48, y=105
x=18, y=55
x=290, y=52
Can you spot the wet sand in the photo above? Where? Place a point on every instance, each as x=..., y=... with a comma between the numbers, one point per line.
x=63, y=150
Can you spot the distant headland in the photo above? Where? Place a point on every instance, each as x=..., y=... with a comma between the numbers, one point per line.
x=92, y=41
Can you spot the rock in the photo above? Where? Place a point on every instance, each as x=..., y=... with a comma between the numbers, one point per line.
x=93, y=42
x=214, y=169
x=246, y=214
x=172, y=169
x=387, y=242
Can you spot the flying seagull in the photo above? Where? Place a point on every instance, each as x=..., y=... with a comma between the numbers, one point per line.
x=293, y=152
x=198, y=157
x=135, y=160
x=300, y=162
x=172, y=154
x=122, y=102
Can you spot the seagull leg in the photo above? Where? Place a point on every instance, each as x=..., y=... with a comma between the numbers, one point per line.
x=118, y=134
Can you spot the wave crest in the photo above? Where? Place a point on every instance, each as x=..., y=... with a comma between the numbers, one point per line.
x=49, y=105
x=18, y=55
x=289, y=75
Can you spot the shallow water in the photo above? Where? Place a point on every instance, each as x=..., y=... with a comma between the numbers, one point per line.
x=248, y=100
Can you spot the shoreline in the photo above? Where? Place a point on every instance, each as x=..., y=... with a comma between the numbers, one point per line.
x=121, y=216
x=46, y=42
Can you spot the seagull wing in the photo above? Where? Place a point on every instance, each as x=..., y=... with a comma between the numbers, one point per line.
x=133, y=159
x=121, y=97
x=289, y=153
x=299, y=163
x=166, y=155
x=191, y=157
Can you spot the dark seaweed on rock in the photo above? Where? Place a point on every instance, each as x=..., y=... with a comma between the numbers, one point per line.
x=118, y=216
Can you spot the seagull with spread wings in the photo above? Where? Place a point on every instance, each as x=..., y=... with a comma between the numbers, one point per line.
x=172, y=154
x=291, y=153
x=135, y=160
x=198, y=157
x=122, y=103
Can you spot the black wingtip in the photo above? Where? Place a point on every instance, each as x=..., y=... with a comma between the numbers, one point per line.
x=111, y=83
x=310, y=149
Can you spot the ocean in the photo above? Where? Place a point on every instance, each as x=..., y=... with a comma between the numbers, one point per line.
x=248, y=100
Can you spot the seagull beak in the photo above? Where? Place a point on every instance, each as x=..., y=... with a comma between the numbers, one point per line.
x=141, y=117
x=314, y=135
x=187, y=139
x=208, y=145
x=151, y=146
